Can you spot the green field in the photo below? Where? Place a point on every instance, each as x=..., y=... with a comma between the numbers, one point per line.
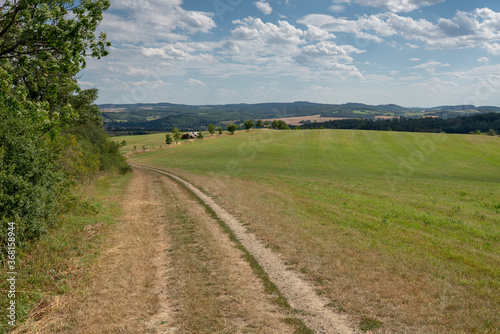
x=400, y=227
x=135, y=144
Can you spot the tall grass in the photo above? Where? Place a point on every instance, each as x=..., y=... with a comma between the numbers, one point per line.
x=58, y=262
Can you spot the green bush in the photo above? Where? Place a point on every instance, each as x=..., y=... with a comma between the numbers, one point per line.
x=168, y=139
x=231, y=128
x=280, y=125
x=31, y=184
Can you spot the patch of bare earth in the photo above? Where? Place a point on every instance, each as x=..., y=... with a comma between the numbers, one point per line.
x=127, y=293
x=301, y=295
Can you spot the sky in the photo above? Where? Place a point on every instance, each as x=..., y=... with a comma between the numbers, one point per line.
x=414, y=53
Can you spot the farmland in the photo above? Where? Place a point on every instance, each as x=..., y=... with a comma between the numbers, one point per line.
x=399, y=227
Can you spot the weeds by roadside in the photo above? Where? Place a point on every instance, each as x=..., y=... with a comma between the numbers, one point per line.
x=58, y=262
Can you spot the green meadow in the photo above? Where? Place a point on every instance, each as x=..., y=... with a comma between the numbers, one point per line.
x=403, y=228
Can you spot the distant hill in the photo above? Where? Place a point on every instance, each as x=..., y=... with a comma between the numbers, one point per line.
x=143, y=117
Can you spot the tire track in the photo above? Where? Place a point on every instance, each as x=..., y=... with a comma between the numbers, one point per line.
x=300, y=293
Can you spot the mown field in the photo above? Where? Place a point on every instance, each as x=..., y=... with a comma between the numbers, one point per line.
x=399, y=228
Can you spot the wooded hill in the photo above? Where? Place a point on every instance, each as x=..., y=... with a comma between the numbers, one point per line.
x=165, y=116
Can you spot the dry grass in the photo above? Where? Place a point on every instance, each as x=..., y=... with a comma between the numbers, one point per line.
x=296, y=121
x=59, y=262
x=122, y=297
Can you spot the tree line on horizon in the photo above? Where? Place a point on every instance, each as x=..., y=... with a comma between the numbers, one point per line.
x=483, y=123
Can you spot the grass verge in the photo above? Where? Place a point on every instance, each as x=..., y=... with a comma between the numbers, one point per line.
x=47, y=269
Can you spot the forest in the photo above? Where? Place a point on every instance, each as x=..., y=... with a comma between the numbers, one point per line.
x=483, y=123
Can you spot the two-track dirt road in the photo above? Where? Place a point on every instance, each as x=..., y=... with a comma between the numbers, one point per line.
x=299, y=292
x=169, y=267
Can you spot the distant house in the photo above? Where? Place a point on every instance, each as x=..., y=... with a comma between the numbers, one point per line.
x=189, y=135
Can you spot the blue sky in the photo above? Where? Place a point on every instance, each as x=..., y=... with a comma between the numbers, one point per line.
x=415, y=53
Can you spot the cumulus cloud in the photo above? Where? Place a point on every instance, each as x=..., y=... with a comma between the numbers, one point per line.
x=323, y=49
x=317, y=33
x=492, y=48
x=166, y=52
x=254, y=29
x=331, y=58
x=264, y=7
x=153, y=20
x=480, y=27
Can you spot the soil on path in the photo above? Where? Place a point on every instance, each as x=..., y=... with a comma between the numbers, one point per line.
x=167, y=267
x=300, y=293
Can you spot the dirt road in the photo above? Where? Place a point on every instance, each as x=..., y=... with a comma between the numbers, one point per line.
x=168, y=266
x=301, y=295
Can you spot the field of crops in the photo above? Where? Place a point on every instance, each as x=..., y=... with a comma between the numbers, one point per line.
x=400, y=228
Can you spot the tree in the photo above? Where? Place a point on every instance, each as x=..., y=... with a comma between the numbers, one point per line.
x=259, y=124
x=231, y=128
x=168, y=139
x=280, y=125
x=176, y=134
x=266, y=124
x=51, y=133
x=248, y=124
x=220, y=130
x=200, y=135
x=43, y=45
x=211, y=129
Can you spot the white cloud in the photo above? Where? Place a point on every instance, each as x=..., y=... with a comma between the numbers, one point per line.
x=166, y=52
x=254, y=29
x=195, y=82
x=431, y=64
x=264, y=7
x=344, y=71
x=317, y=33
x=152, y=21
x=415, y=59
x=398, y=5
x=323, y=49
x=85, y=84
x=480, y=27
x=231, y=47
x=492, y=48
x=484, y=60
